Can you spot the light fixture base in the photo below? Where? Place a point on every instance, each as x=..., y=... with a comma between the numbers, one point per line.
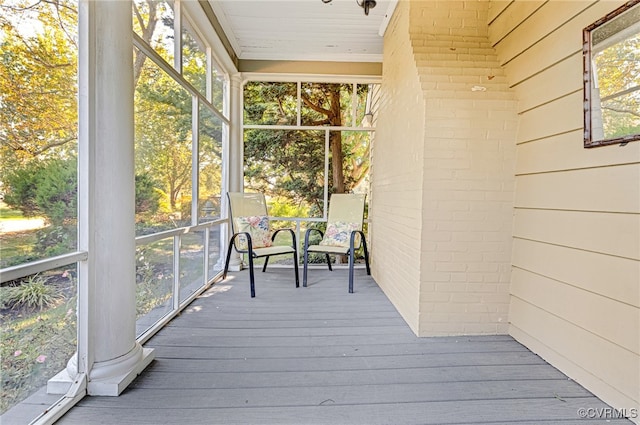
x=366, y=5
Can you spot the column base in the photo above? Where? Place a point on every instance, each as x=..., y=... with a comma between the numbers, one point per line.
x=235, y=263
x=106, y=378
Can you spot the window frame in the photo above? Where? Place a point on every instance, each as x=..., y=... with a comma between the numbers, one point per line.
x=588, y=79
x=300, y=80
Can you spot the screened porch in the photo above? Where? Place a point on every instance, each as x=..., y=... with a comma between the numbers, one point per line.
x=504, y=255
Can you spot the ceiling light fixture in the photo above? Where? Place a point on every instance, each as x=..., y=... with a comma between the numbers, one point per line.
x=365, y=4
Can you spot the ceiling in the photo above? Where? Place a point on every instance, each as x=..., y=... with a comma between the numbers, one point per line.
x=303, y=30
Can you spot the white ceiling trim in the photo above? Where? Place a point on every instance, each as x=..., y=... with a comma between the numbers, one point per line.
x=387, y=17
x=303, y=30
x=226, y=26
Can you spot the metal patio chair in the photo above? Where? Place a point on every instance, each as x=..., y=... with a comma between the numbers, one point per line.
x=252, y=234
x=344, y=233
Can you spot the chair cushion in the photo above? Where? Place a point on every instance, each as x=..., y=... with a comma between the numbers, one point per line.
x=273, y=250
x=339, y=234
x=328, y=249
x=257, y=227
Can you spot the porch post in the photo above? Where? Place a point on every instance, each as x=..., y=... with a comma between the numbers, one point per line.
x=236, y=160
x=107, y=349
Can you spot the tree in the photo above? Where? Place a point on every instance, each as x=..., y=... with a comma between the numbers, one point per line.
x=618, y=76
x=38, y=62
x=163, y=132
x=290, y=163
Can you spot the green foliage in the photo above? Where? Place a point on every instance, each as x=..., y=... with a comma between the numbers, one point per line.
x=290, y=164
x=57, y=240
x=154, y=280
x=49, y=189
x=147, y=196
x=38, y=91
x=46, y=188
x=56, y=193
x=33, y=294
x=21, y=184
x=292, y=159
x=163, y=133
x=36, y=345
x=282, y=208
x=618, y=75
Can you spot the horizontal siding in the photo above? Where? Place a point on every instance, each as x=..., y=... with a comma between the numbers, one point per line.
x=556, y=46
x=561, y=116
x=496, y=8
x=559, y=81
x=606, y=233
x=611, y=277
x=576, y=254
x=602, y=318
x=566, y=152
x=545, y=19
x=512, y=16
x=606, y=189
x=594, y=361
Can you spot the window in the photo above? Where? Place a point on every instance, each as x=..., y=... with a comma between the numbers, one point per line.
x=305, y=140
x=38, y=206
x=180, y=126
x=612, y=78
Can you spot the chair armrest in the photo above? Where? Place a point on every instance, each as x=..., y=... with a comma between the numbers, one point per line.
x=249, y=242
x=293, y=236
x=308, y=233
x=352, y=242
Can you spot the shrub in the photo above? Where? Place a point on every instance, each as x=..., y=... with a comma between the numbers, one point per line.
x=32, y=294
x=45, y=188
x=57, y=240
x=147, y=197
x=49, y=189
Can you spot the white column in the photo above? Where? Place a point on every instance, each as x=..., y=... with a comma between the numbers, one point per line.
x=236, y=159
x=107, y=349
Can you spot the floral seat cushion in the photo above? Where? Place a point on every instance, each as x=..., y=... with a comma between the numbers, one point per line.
x=339, y=234
x=258, y=229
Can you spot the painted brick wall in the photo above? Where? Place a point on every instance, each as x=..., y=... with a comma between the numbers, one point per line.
x=469, y=166
x=397, y=166
x=462, y=215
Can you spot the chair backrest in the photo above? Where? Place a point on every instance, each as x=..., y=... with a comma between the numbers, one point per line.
x=346, y=213
x=346, y=207
x=247, y=204
x=249, y=214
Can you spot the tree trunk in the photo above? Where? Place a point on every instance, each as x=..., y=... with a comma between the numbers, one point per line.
x=335, y=144
x=335, y=141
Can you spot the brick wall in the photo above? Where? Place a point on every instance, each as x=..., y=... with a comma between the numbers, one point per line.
x=469, y=171
x=396, y=188
x=468, y=157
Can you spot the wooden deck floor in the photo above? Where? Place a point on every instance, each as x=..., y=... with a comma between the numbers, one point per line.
x=319, y=355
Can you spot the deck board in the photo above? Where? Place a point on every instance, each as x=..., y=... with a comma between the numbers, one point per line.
x=319, y=355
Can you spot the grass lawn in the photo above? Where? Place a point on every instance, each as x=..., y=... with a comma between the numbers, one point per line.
x=14, y=243
x=7, y=213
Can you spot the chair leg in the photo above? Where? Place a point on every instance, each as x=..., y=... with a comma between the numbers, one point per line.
x=266, y=261
x=226, y=263
x=328, y=262
x=352, y=256
x=305, y=260
x=366, y=255
x=351, y=261
x=295, y=268
x=251, y=277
